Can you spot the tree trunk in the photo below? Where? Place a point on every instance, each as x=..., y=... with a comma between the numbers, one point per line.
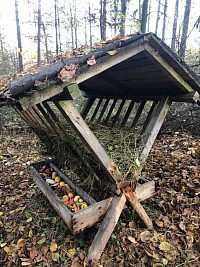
x=45, y=42
x=90, y=24
x=39, y=34
x=59, y=34
x=103, y=19
x=164, y=20
x=115, y=11
x=19, y=38
x=123, y=17
x=185, y=29
x=71, y=24
x=144, y=15
x=175, y=26
x=149, y=16
x=75, y=24
x=158, y=17
x=56, y=24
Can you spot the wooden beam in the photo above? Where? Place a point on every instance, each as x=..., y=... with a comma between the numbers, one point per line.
x=153, y=128
x=83, y=131
x=153, y=106
x=132, y=199
x=138, y=114
x=103, y=110
x=96, y=109
x=192, y=97
x=87, y=107
x=40, y=96
x=169, y=71
x=128, y=112
x=118, y=112
x=86, y=218
x=106, y=228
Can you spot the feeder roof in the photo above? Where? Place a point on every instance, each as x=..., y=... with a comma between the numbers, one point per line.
x=136, y=66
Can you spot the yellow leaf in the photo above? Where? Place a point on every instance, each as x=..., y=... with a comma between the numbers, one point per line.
x=41, y=241
x=30, y=234
x=53, y=247
x=164, y=261
x=21, y=242
x=29, y=219
x=3, y=245
x=71, y=252
x=137, y=163
x=112, y=52
x=6, y=249
x=164, y=246
x=132, y=239
x=1, y=213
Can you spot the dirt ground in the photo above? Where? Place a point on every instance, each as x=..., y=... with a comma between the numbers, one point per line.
x=32, y=234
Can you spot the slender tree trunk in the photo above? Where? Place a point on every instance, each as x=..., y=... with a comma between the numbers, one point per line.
x=149, y=16
x=103, y=18
x=158, y=17
x=123, y=17
x=144, y=15
x=185, y=28
x=116, y=9
x=140, y=10
x=19, y=38
x=59, y=34
x=45, y=42
x=90, y=24
x=175, y=26
x=75, y=24
x=164, y=20
x=39, y=34
x=71, y=24
x=56, y=24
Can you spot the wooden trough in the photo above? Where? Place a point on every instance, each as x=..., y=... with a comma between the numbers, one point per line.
x=140, y=78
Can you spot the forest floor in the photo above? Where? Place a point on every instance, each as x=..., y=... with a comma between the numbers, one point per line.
x=32, y=234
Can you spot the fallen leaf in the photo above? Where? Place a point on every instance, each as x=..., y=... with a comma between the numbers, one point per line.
x=41, y=241
x=164, y=246
x=29, y=219
x=33, y=253
x=1, y=213
x=132, y=239
x=55, y=256
x=53, y=247
x=21, y=242
x=71, y=252
x=6, y=249
x=68, y=72
x=37, y=83
x=91, y=61
x=30, y=233
x=144, y=236
x=112, y=52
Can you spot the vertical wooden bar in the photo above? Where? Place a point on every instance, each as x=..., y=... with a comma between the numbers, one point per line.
x=96, y=109
x=103, y=110
x=139, y=112
x=118, y=112
x=153, y=107
x=110, y=111
x=128, y=112
x=87, y=107
x=153, y=127
x=48, y=129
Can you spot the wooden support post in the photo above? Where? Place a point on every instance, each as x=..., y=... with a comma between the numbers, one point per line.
x=128, y=112
x=107, y=226
x=132, y=199
x=83, y=131
x=150, y=114
x=103, y=110
x=153, y=127
x=139, y=112
x=110, y=111
x=74, y=147
x=42, y=120
x=96, y=109
x=118, y=112
x=87, y=107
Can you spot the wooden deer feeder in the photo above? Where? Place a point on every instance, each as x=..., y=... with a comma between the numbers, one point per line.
x=137, y=70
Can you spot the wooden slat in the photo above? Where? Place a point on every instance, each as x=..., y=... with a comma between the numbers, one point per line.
x=86, y=197
x=110, y=111
x=192, y=97
x=153, y=106
x=96, y=109
x=139, y=112
x=106, y=228
x=103, y=110
x=118, y=112
x=40, y=96
x=145, y=191
x=87, y=136
x=153, y=127
x=43, y=123
x=86, y=218
x=61, y=209
x=169, y=71
x=87, y=107
x=128, y=112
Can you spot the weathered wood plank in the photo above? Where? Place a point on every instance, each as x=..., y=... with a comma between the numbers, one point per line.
x=87, y=107
x=40, y=96
x=138, y=114
x=153, y=127
x=103, y=110
x=128, y=112
x=86, y=197
x=145, y=191
x=169, y=71
x=96, y=109
x=132, y=199
x=86, y=218
x=83, y=131
x=192, y=97
x=118, y=112
x=107, y=226
x=54, y=200
x=150, y=114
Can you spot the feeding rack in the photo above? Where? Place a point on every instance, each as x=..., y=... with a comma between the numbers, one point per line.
x=124, y=80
